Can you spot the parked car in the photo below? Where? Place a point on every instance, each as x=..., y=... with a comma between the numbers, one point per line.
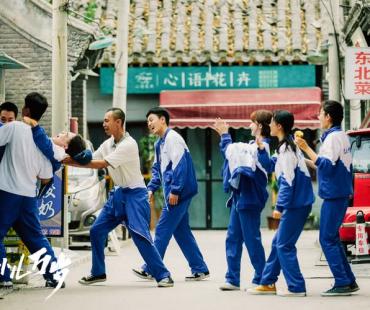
x=360, y=142
x=87, y=188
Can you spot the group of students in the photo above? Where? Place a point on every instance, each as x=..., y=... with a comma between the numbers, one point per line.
x=245, y=172
x=30, y=157
x=245, y=175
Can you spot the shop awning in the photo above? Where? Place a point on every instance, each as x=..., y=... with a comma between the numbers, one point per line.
x=7, y=62
x=200, y=108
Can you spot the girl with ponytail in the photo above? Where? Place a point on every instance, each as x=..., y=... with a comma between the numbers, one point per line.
x=285, y=119
x=294, y=203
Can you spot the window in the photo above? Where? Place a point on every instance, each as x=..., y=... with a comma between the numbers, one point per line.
x=361, y=158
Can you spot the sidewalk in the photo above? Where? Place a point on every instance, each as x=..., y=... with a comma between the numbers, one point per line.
x=123, y=289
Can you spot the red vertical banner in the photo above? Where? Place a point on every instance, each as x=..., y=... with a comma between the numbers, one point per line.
x=357, y=73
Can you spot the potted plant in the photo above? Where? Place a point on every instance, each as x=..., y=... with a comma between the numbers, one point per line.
x=146, y=149
x=273, y=223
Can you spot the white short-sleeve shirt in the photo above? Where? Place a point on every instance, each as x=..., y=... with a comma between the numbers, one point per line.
x=23, y=162
x=124, y=162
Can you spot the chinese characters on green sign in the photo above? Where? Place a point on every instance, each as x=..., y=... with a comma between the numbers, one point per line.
x=151, y=80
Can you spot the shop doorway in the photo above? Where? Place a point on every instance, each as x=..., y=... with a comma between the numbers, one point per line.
x=208, y=209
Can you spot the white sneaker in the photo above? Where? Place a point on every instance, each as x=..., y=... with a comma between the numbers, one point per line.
x=287, y=293
x=229, y=287
x=251, y=287
x=166, y=282
x=6, y=284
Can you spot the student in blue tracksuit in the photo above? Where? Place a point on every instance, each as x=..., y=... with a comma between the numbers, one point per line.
x=294, y=202
x=20, y=168
x=128, y=201
x=245, y=177
x=334, y=172
x=173, y=169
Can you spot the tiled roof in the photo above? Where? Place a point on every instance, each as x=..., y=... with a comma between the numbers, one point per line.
x=220, y=31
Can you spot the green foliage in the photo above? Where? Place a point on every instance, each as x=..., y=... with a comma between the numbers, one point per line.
x=273, y=183
x=274, y=189
x=146, y=149
x=90, y=11
x=158, y=199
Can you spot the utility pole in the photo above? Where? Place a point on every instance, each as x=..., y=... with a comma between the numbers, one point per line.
x=59, y=108
x=120, y=75
x=334, y=50
x=59, y=95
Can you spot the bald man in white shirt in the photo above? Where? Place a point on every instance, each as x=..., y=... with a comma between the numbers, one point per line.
x=127, y=203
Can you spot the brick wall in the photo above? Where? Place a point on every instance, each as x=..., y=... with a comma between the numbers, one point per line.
x=18, y=83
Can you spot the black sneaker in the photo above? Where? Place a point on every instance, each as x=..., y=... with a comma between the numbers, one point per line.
x=354, y=287
x=339, y=291
x=166, y=282
x=142, y=274
x=53, y=283
x=92, y=279
x=198, y=276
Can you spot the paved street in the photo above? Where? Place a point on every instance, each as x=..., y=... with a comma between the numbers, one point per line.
x=127, y=292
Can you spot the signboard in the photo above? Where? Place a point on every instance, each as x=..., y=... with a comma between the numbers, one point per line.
x=51, y=208
x=357, y=73
x=153, y=80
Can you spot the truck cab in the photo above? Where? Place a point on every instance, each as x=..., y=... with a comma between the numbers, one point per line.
x=360, y=146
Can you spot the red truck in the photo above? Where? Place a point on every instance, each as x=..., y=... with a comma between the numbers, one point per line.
x=360, y=142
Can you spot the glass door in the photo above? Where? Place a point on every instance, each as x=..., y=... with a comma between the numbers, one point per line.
x=208, y=208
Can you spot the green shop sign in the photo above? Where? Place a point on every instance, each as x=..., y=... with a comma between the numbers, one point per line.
x=153, y=80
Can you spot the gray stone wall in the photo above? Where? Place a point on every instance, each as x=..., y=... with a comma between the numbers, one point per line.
x=18, y=83
x=77, y=102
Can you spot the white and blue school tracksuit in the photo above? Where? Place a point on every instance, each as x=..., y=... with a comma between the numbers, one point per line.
x=130, y=206
x=19, y=167
x=246, y=178
x=173, y=169
x=334, y=172
x=294, y=201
